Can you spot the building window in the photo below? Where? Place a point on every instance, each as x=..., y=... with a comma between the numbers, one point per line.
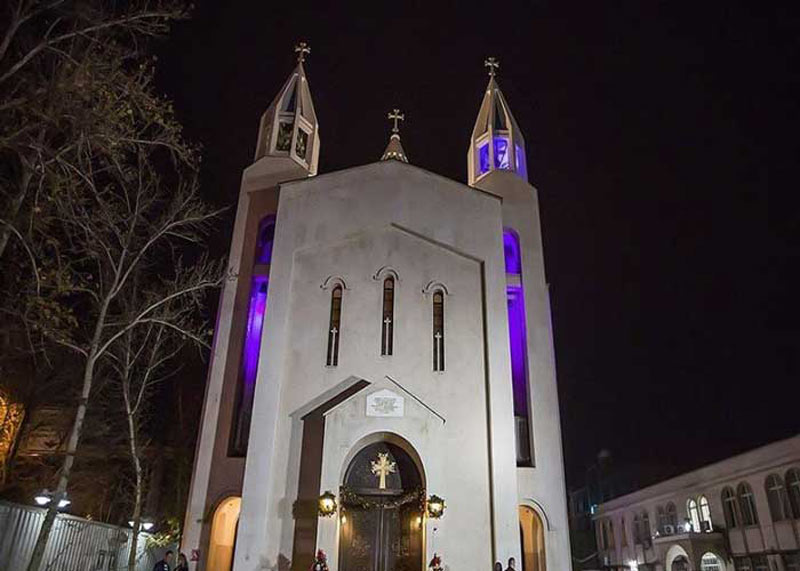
x=747, y=504
x=637, y=530
x=611, y=534
x=742, y=564
x=646, y=533
x=729, y=507
x=501, y=153
x=284, y=140
x=483, y=158
x=791, y=561
x=694, y=514
x=793, y=490
x=624, y=533
x=705, y=515
x=776, y=497
x=334, y=327
x=438, y=331
x=710, y=562
x=759, y=562
x=387, y=317
x=672, y=516
x=604, y=535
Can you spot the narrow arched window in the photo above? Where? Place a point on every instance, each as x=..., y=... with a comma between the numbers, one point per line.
x=637, y=530
x=662, y=519
x=777, y=499
x=705, y=515
x=624, y=533
x=729, y=508
x=793, y=491
x=387, y=317
x=438, y=331
x=646, y=535
x=672, y=516
x=694, y=514
x=747, y=504
x=334, y=327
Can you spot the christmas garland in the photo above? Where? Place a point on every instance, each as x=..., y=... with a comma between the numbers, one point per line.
x=351, y=499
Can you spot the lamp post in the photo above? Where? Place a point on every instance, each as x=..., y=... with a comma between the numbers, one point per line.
x=436, y=507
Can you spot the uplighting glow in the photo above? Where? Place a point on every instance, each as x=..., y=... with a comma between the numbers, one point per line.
x=42, y=500
x=633, y=565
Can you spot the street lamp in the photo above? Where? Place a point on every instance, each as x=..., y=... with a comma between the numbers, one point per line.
x=145, y=525
x=45, y=497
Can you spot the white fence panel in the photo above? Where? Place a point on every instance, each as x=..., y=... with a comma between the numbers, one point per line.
x=75, y=544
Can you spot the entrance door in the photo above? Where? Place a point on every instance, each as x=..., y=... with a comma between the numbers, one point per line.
x=381, y=523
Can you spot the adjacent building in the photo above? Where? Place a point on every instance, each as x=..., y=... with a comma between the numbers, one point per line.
x=740, y=514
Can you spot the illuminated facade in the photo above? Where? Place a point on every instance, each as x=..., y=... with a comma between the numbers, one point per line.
x=383, y=381
x=740, y=514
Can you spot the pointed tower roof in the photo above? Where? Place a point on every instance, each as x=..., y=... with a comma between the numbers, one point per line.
x=289, y=126
x=496, y=125
x=394, y=150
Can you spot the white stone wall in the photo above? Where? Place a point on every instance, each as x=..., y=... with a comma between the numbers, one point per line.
x=348, y=225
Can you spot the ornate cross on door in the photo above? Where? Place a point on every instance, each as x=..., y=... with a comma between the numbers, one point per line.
x=382, y=467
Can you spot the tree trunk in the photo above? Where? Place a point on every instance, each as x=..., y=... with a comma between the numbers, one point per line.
x=35, y=563
x=137, y=465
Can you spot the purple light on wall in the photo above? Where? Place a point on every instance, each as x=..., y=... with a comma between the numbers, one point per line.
x=252, y=340
x=518, y=342
x=511, y=252
x=522, y=168
x=483, y=158
x=501, y=158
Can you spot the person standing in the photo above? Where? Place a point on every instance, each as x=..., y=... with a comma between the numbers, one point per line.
x=183, y=564
x=512, y=564
x=163, y=565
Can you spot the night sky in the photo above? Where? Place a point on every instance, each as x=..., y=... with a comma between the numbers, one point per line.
x=663, y=139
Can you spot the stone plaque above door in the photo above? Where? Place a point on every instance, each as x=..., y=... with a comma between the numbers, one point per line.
x=385, y=403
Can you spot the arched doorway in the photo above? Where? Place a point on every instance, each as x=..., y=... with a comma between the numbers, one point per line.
x=382, y=502
x=531, y=530
x=223, y=534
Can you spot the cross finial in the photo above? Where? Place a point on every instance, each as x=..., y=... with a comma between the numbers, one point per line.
x=493, y=66
x=396, y=116
x=301, y=50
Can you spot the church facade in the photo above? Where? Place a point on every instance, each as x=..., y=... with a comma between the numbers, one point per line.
x=382, y=384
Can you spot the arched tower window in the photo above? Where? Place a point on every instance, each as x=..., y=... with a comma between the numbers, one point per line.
x=730, y=508
x=694, y=514
x=747, y=504
x=705, y=515
x=387, y=317
x=518, y=345
x=251, y=348
x=777, y=499
x=438, y=331
x=334, y=326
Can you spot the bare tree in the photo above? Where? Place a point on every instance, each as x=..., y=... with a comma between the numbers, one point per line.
x=142, y=359
x=98, y=189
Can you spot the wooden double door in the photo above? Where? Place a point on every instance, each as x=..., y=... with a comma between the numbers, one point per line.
x=381, y=521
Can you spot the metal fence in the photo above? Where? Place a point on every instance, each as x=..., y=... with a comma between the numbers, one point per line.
x=75, y=544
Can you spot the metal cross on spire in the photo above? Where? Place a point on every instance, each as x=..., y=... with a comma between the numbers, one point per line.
x=301, y=50
x=396, y=116
x=493, y=66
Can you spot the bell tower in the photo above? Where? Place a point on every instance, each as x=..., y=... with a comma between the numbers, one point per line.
x=497, y=142
x=497, y=164
x=287, y=149
x=288, y=128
